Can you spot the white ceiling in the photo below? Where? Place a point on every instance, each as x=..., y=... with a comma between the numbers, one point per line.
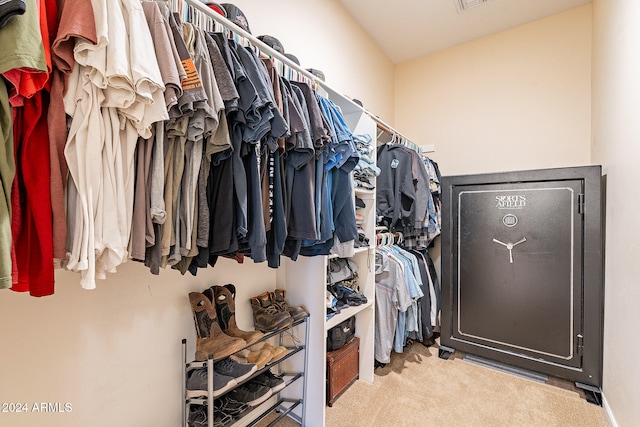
x=408, y=29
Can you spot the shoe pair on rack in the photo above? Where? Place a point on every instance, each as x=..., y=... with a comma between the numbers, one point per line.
x=258, y=389
x=271, y=312
x=260, y=354
x=218, y=335
x=226, y=410
x=227, y=374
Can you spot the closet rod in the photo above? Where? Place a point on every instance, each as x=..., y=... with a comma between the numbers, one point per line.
x=274, y=53
x=386, y=128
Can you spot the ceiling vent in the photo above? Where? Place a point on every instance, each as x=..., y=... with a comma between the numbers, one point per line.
x=463, y=5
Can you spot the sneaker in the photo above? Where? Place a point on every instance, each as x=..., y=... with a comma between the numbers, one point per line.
x=251, y=393
x=271, y=380
x=198, y=417
x=231, y=368
x=197, y=384
x=229, y=406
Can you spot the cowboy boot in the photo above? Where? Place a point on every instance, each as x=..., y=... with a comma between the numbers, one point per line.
x=224, y=299
x=210, y=341
x=277, y=299
x=266, y=316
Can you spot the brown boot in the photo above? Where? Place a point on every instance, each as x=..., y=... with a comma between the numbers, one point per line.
x=210, y=341
x=277, y=299
x=266, y=316
x=223, y=298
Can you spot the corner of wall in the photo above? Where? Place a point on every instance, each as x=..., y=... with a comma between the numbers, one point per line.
x=608, y=412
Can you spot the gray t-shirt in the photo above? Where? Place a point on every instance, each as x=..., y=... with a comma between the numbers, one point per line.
x=318, y=129
x=164, y=48
x=301, y=176
x=224, y=79
x=391, y=297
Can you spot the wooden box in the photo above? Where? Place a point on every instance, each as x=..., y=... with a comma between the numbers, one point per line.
x=343, y=368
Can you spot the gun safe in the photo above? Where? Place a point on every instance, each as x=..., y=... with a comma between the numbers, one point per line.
x=522, y=271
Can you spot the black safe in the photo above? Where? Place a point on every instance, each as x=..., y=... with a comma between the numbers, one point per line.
x=522, y=271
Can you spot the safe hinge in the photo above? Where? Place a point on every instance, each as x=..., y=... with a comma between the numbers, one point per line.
x=581, y=204
x=580, y=344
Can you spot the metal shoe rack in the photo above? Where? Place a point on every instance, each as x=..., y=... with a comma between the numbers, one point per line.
x=283, y=405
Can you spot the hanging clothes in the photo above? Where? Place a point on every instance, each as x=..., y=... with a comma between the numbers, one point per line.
x=408, y=201
x=149, y=205
x=417, y=319
x=435, y=210
x=429, y=303
x=392, y=298
x=25, y=62
x=408, y=194
x=182, y=146
x=395, y=192
x=7, y=172
x=76, y=23
x=116, y=93
x=302, y=216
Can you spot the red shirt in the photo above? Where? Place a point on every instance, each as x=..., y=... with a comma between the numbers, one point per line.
x=32, y=223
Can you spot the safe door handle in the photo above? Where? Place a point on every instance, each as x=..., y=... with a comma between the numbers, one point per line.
x=510, y=246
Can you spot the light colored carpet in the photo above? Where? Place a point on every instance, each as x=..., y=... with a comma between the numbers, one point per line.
x=419, y=389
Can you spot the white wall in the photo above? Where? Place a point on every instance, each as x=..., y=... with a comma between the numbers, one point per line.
x=323, y=35
x=616, y=145
x=115, y=353
x=515, y=100
x=518, y=99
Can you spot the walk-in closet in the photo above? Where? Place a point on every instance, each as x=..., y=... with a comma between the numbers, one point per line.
x=319, y=213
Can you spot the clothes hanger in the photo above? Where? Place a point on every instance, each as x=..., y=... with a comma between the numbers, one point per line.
x=196, y=18
x=175, y=5
x=187, y=13
x=400, y=237
x=201, y=20
x=388, y=238
x=384, y=241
